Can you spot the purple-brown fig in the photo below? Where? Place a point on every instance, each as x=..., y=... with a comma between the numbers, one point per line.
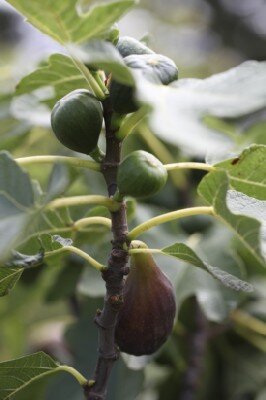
x=147, y=316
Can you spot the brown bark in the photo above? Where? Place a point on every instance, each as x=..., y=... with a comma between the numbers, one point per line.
x=106, y=319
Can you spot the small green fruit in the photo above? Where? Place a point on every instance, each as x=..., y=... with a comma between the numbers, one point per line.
x=77, y=121
x=154, y=67
x=147, y=316
x=122, y=98
x=128, y=45
x=140, y=175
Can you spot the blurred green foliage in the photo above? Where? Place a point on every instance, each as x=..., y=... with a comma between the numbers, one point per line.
x=52, y=308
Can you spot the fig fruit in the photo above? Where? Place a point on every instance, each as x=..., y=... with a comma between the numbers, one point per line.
x=157, y=66
x=77, y=121
x=146, y=318
x=140, y=174
x=128, y=45
x=154, y=67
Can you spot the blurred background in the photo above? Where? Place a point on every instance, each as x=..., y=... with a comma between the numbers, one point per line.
x=217, y=349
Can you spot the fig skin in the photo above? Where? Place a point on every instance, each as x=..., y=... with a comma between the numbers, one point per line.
x=146, y=318
x=77, y=121
x=156, y=68
x=128, y=45
x=140, y=175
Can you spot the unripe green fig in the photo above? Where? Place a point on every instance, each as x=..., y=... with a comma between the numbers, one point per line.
x=140, y=174
x=77, y=121
x=128, y=45
x=154, y=67
x=122, y=98
x=147, y=315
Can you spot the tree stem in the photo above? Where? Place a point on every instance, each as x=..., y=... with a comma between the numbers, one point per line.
x=113, y=276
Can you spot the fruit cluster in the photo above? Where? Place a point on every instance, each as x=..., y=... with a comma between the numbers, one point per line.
x=154, y=67
x=147, y=316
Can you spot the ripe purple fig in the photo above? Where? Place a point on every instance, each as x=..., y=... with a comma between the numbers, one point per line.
x=147, y=316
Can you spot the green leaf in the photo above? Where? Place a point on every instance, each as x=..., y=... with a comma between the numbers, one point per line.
x=178, y=109
x=20, y=260
x=61, y=20
x=103, y=55
x=80, y=338
x=248, y=171
x=213, y=188
x=60, y=73
x=58, y=182
x=240, y=203
x=196, y=282
x=62, y=241
x=63, y=75
x=55, y=242
x=8, y=279
x=16, y=203
x=185, y=253
x=12, y=131
x=14, y=182
x=16, y=374
x=70, y=275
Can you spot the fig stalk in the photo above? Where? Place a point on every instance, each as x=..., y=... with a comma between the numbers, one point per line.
x=106, y=318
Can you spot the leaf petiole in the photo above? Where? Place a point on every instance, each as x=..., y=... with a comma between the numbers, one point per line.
x=83, y=200
x=83, y=222
x=96, y=89
x=144, y=250
x=80, y=253
x=189, y=165
x=76, y=374
x=131, y=122
x=171, y=216
x=72, y=161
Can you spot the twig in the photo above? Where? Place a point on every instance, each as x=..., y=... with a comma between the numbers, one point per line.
x=113, y=276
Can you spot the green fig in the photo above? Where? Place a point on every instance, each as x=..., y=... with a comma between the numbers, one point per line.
x=77, y=121
x=141, y=174
x=128, y=45
x=154, y=67
x=146, y=318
